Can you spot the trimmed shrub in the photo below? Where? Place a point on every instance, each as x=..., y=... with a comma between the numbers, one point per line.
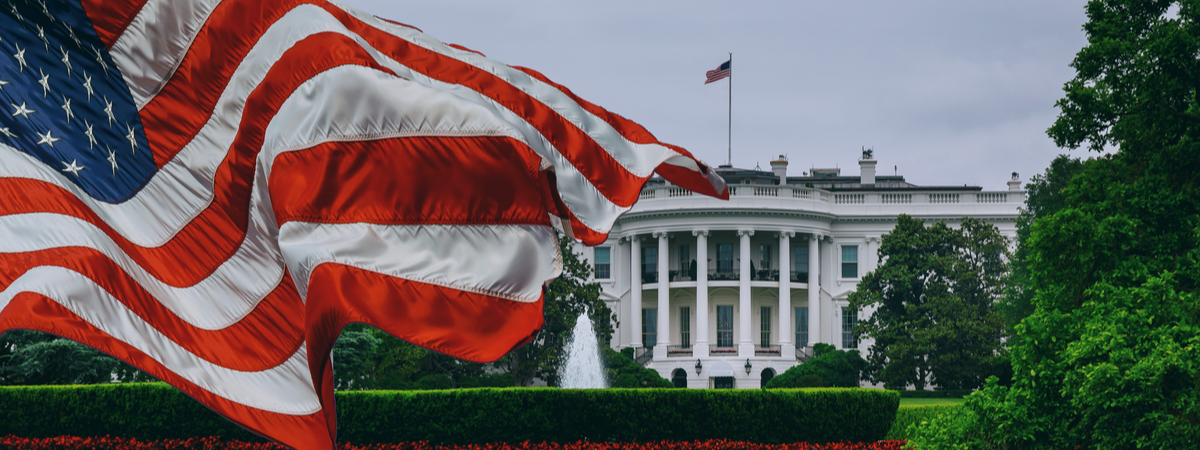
x=623, y=372
x=142, y=410
x=947, y=393
x=473, y=416
x=908, y=416
x=834, y=368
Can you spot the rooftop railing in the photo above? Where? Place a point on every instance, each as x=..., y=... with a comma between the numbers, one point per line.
x=844, y=198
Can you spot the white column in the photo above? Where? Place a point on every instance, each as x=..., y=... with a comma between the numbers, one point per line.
x=635, y=291
x=664, y=297
x=700, y=349
x=787, y=349
x=745, y=344
x=814, y=290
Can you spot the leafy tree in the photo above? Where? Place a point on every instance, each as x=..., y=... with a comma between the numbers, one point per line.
x=828, y=368
x=1108, y=358
x=567, y=297
x=33, y=358
x=934, y=301
x=1045, y=195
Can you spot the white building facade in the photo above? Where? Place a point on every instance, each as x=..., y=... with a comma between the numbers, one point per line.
x=727, y=294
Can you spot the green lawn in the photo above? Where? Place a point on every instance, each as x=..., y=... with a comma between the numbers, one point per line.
x=929, y=401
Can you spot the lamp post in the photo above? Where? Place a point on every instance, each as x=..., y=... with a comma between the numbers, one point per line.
x=699, y=367
x=748, y=366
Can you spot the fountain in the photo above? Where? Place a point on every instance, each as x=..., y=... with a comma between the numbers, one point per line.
x=583, y=368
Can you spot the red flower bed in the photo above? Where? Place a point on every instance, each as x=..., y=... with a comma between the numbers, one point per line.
x=212, y=443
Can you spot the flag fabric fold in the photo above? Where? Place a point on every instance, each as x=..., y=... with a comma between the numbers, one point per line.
x=210, y=190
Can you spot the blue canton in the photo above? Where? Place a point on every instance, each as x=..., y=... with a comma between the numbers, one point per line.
x=63, y=101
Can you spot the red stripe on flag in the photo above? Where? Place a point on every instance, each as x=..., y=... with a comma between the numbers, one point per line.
x=410, y=181
x=461, y=324
x=35, y=312
x=110, y=18
x=265, y=338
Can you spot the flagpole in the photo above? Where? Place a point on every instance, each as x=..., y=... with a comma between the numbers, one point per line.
x=729, y=131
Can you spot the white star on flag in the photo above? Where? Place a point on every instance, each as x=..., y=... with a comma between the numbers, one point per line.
x=87, y=84
x=72, y=168
x=21, y=110
x=45, y=82
x=67, y=107
x=112, y=159
x=20, y=55
x=47, y=139
x=90, y=134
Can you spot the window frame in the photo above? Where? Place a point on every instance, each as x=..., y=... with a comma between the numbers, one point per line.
x=802, y=327
x=849, y=315
x=649, y=327
x=731, y=325
x=596, y=263
x=842, y=261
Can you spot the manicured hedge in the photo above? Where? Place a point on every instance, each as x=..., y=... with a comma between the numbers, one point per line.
x=909, y=415
x=111, y=443
x=142, y=410
x=624, y=415
x=468, y=416
x=948, y=393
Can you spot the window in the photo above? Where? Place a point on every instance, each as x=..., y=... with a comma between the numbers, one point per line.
x=800, y=264
x=849, y=320
x=724, y=258
x=725, y=326
x=649, y=327
x=801, y=327
x=650, y=265
x=764, y=335
x=685, y=327
x=764, y=257
x=685, y=260
x=849, y=261
x=603, y=259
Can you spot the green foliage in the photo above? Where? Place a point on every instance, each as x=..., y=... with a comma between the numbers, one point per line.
x=1108, y=358
x=943, y=393
x=143, y=410
x=623, y=372
x=1045, y=195
x=567, y=297
x=34, y=358
x=934, y=301
x=557, y=415
x=908, y=416
x=833, y=368
x=466, y=416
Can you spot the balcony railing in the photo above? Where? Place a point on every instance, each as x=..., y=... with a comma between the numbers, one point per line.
x=849, y=199
x=642, y=355
x=803, y=353
x=649, y=277
x=722, y=351
x=799, y=277
x=770, y=350
x=679, y=350
x=714, y=274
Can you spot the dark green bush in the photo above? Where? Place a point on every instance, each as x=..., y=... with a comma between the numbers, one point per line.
x=623, y=372
x=835, y=368
x=941, y=393
x=142, y=410
x=465, y=416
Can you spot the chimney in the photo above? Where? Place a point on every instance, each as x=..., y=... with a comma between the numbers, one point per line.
x=1015, y=183
x=779, y=167
x=866, y=166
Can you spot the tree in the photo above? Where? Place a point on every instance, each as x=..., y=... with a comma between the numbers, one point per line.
x=934, y=305
x=1108, y=358
x=567, y=297
x=33, y=358
x=1045, y=195
x=623, y=372
x=828, y=368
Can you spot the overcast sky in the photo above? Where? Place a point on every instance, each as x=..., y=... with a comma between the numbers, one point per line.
x=951, y=91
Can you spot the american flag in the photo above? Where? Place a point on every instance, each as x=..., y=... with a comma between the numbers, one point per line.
x=210, y=190
x=720, y=72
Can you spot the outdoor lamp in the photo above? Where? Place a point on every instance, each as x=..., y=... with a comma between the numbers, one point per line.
x=698, y=367
x=748, y=367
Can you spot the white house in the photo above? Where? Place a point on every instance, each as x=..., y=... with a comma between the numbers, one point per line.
x=774, y=265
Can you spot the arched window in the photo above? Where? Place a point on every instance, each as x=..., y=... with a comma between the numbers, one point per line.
x=767, y=375
x=679, y=378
